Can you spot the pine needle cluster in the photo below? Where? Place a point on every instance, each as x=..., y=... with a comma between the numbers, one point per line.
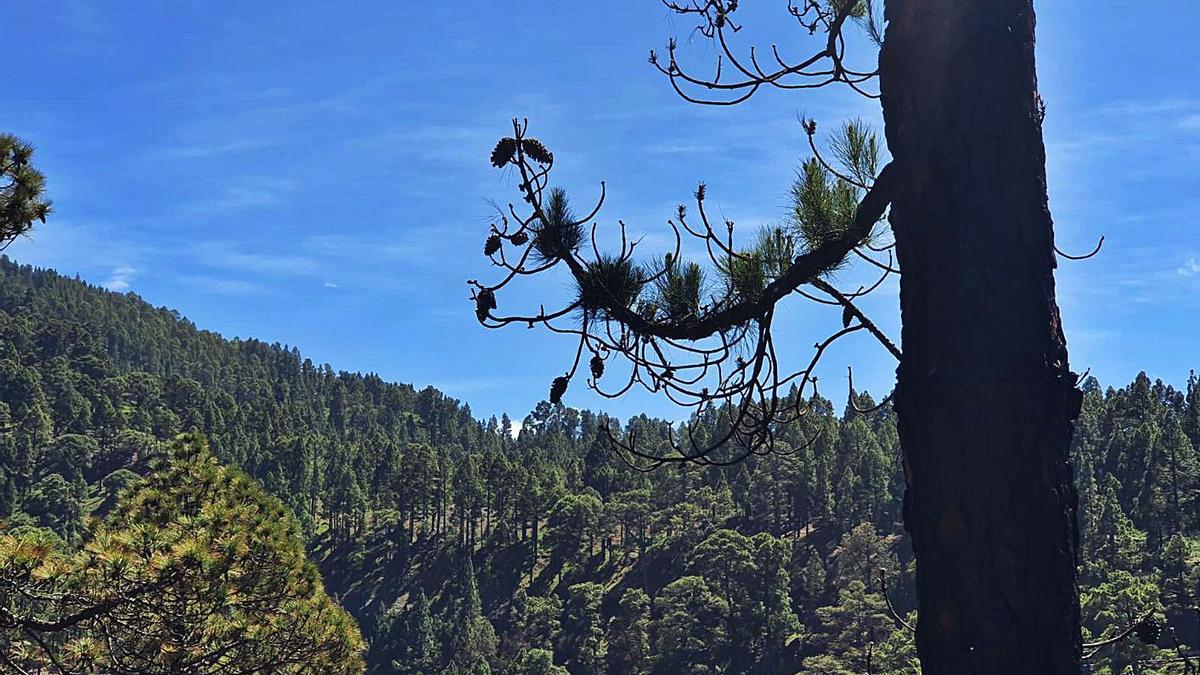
x=678, y=290
x=557, y=234
x=609, y=281
x=22, y=189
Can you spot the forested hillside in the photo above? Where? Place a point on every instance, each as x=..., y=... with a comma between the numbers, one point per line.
x=462, y=547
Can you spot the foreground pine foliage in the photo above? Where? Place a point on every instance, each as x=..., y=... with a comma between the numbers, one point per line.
x=196, y=570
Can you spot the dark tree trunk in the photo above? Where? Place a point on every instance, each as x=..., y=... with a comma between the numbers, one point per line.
x=985, y=399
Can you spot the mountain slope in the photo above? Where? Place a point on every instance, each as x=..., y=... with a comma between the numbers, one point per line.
x=456, y=545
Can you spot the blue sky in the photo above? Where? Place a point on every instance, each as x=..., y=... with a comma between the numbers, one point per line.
x=318, y=176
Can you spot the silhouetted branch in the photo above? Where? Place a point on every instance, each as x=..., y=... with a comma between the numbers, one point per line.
x=1181, y=652
x=1146, y=628
x=696, y=349
x=826, y=65
x=883, y=589
x=852, y=311
x=1099, y=245
x=854, y=404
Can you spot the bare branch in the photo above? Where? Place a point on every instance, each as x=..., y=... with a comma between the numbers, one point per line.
x=824, y=66
x=1095, y=251
x=883, y=589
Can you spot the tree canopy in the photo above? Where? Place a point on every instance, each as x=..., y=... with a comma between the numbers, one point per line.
x=197, y=569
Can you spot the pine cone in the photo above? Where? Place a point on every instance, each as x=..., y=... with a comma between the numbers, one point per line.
x=557, y=389
x=597, y=365
x=519, y=238
x=485, y=301
x=536, y=151
x=1148, y=630
x=492, y=245
x=503, y=152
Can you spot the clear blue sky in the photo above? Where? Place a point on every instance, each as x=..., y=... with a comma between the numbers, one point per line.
x=318, y=175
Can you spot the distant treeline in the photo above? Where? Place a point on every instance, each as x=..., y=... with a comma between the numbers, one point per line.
x=461, y=547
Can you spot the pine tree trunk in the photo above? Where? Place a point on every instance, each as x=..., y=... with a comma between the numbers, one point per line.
x=985, y=399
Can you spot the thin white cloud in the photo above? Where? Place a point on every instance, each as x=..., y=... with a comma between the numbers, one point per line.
x=411, y=245
x=249, y=193
x=227, y=147
x=119, y=280
x=1123, y=124
x=459, y=145
x=1142, y=276
x=1141, y=108
x=681, y=148
x=223, y=286
x=229, y=256
x=274, y=92
x=95, y=251
x=467, y=386
x=332, y=261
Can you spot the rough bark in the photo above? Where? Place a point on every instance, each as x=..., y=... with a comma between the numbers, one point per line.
x=985, y=398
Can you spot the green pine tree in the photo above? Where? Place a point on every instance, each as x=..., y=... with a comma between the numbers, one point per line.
x=469, y=637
